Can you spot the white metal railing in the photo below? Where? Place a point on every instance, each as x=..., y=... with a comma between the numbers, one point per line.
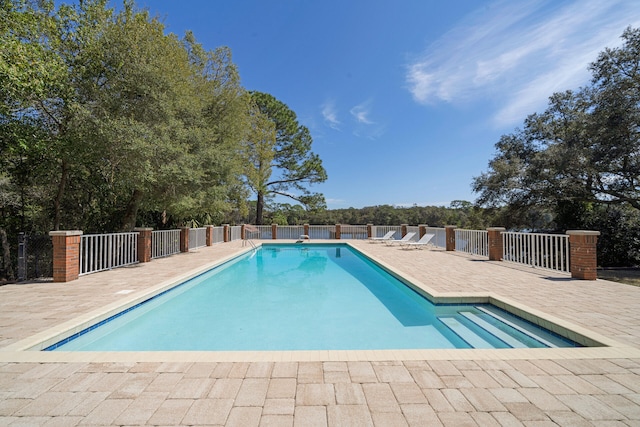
x=99, y=252
x=164, y=243
x=550, y=251
x=289, y=231
x=218, y=234
x=381, y=230
x=358, y=232
x=235, y=232
x=322, y=231
x=197, y=237
x=440, y=238
x=264, y=232
x=474, y=242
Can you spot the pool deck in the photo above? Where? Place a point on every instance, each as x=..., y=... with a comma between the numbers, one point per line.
x=533, y=387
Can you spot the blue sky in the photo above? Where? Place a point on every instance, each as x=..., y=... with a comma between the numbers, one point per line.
x=406, y=99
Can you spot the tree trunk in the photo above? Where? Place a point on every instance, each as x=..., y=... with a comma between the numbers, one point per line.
x=129, y=219
x=64, y=175
x=259, y=208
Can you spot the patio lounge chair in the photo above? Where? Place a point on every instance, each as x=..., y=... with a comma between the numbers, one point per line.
x=424, y=241
x=407, y=237
x=388, y=236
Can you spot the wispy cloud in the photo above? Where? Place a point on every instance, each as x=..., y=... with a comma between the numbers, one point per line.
x=330, y=115
x=519, y=53
x=361, y=112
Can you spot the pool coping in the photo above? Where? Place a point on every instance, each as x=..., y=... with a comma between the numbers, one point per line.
x=28, y=349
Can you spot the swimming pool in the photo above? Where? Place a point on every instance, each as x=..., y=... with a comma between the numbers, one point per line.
x=303, y=297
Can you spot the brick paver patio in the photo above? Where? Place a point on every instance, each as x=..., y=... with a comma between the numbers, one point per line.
x=571, y=387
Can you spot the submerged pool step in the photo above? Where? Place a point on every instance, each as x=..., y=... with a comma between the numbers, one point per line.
x=465, y=333
x=531, y=334
x=501, y=335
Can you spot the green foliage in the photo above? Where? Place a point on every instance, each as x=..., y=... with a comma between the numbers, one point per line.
x=103, y=116
x=577, y=164
x=280, y=158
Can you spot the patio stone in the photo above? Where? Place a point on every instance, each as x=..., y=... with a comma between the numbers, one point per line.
x=576, y=387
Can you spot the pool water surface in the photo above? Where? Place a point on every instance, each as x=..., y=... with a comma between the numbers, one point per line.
x=304, y=297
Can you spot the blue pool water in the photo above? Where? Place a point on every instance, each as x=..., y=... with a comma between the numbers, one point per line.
x=304, y=297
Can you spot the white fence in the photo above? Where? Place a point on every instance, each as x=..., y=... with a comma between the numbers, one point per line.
x=474, y=242
x=440, y=238
x=550, y=251
x=99, y=252
x=197, y=237
x=165, y=243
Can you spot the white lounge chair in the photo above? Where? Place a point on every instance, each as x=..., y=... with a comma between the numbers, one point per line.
x=407, y=237
x=424, y=241
x=388, y=236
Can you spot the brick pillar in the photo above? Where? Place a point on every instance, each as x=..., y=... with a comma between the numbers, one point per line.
x=403, y=229
x=496, y=247
x=144, y=243
x=583, y=260
x=369, y=231
x=338, y=230
x=209, y=236
x=243, y=231
x=226, y=232
x=274, y=231
x=66, y=255
x=184, y=239
x=422, y=230
x=306, y=229
x=450, y=237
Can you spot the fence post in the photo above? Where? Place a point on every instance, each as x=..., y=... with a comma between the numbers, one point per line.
x=450, y=237
x=66, y=255
x=403, y=229
x=226, y=233
x=184, y=239
x=144, y=243
x=369, y=231
x=22, y=257
x=583, y=260
x=306, y=230
x=338, y=231
x=274, y=231
x=496, y=247
x=422, y=228
x=209, y=235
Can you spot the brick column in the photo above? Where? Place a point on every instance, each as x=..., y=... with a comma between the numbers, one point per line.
x=184, y=239
x=496, y=247
x=66, y=255
x=583, y=260
x=338, y=231
x=450, y=237
x=226, y=232
x=403, y=229
x=422, y=228
x=243, y=231
x=209, y=236
x=144, y=243
x=369, y=231
x=306, y=229
x=274, y=231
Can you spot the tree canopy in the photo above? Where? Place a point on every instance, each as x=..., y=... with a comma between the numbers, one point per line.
x=584, y=148
x=577, y=164
x=290, y=166
x=107, y=122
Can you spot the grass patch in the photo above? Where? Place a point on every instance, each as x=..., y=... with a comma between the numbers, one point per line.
x=630, y=276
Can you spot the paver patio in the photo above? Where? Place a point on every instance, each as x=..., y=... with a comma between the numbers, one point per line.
x=581, y=387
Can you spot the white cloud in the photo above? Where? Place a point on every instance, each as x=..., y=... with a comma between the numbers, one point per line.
x=361, y=112
x=519, y=53
x=330, y=115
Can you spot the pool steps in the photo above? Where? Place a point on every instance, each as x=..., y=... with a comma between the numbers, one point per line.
x=475, y=341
